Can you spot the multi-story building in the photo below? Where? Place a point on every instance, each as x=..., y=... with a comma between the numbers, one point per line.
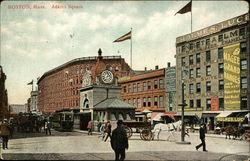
x=59, y=88
x=3, y=96
x=213, y=64
x=145, y=91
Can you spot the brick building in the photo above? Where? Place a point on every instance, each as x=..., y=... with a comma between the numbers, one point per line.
x=213, y=63
x=145, y=91
x=59, y=88
x=3, y=96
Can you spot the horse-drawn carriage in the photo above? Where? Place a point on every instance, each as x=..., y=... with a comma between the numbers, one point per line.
x=144, y=128
x=243, y=132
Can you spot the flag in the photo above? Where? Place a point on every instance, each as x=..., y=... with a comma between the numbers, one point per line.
x=186, y=8
x=124, y=37
x=30, y=83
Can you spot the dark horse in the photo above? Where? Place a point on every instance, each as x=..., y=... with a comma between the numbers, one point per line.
x=235, y=132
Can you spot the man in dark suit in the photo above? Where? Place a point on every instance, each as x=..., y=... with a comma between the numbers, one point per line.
x=202, y=137
x=119, y=141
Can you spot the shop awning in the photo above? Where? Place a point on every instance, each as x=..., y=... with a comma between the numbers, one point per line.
x=224, y=114
x=169, y=114
x=156, y=116
x=190, y=114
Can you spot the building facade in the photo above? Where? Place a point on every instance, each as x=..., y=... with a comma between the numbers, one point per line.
x=3, y=96
x=145, y=91
x=58, y=88
x=213, y=64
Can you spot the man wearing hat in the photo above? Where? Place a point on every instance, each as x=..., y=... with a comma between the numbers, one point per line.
x=119, y=141
x=5, y=132
x=202, y=137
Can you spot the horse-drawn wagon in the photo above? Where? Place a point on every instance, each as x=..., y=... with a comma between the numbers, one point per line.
x=144, y=128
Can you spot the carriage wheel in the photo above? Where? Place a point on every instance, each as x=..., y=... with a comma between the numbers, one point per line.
x=146, y=134
x=129, y=131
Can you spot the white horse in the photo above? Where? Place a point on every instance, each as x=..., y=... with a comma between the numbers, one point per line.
x=171, y=127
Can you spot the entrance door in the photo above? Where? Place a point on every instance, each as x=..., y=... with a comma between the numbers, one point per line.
x=84, y=119
x=211, y=123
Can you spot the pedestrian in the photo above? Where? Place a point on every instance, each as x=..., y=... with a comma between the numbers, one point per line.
x=202, y=137
x=102, y=130
x=5, y=132
x=119, y=141
x=99, y=124
x=89, y=127
x=47, y=127
x=108, y=131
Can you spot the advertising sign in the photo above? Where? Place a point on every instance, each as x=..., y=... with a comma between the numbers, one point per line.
x=214, y=104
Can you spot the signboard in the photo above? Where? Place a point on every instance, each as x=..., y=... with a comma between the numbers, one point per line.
x=232, y=77
x=170, y=79
x=214, y=104
x=230, y=119
x=191, y=109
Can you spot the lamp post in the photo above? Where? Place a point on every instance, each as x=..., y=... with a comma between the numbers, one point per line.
x=183, y=104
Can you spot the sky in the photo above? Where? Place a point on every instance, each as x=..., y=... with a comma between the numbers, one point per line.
x=35, y=40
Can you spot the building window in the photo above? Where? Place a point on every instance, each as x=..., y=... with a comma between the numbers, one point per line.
x=243, y=82
x=197, y=45
x=221, y=103
x=129, y=89
x=220, y=38
x=138, y=102
x=191, y=60
x=191, y=88
x=125, y=89
x=208, y=70
x=243, y=64
x=198, y=87
x=134, y=87
x=161, y=83
x=198, y=72
x=155, y=84
x=198, y=103
x=138, y=87
x=149, y=85
x=161, y=101
x=242, y=31
x=208, y=104
x=191, y=103
x=198, y=58
x=208, y=56
x=134, y=102
x=144, y=86
x=243, y=47
x=183, y=48
x=208, y=86
x=220, y=53
x=184, y=89
x=191, y=73
x=221, y=84
x=149, y=101
x=144, y=102
x=243, y=103
x=191, y=46
x=155, y=101
x=129, y=101
x=183, y=62
x=221, y=68
x=207, y=42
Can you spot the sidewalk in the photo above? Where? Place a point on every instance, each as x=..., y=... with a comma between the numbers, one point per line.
x=144, y=155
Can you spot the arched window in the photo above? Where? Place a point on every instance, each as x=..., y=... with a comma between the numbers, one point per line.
x=120, y=116
x=128, y=116
x=112, y=116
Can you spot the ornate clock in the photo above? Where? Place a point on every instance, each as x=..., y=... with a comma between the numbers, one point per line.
x=107, y=76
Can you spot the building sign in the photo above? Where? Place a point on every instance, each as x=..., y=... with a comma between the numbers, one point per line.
x=123, y=79
x=170, y=79
x=230, y=119
x=213, y=29
x=191, y=109
x=232, y=77
x=214, y=104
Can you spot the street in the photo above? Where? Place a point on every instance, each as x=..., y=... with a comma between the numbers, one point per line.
x=80, y=146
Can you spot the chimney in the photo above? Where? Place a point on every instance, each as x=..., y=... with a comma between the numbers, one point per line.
x=156, y=67
x=145, y=68
x=99, y=52
x=169, y=65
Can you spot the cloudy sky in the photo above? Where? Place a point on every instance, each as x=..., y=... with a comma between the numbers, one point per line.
x=34, y=41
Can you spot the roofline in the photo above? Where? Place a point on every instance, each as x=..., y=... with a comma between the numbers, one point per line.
x=89, y=58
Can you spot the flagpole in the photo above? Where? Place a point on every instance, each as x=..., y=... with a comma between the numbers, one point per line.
x=131, y=49
x=32, y=85
x=191, y=17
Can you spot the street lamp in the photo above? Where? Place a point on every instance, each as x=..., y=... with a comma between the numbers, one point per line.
x=183, y=104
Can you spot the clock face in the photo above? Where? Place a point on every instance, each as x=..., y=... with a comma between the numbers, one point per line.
x=107, y=76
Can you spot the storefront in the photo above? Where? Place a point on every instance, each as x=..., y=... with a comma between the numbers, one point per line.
x=232, y=118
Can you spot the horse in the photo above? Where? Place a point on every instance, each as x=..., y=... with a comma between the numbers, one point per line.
x=229, y=130
x=171, y=127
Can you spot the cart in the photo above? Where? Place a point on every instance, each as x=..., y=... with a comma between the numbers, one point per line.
x=144, y=128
